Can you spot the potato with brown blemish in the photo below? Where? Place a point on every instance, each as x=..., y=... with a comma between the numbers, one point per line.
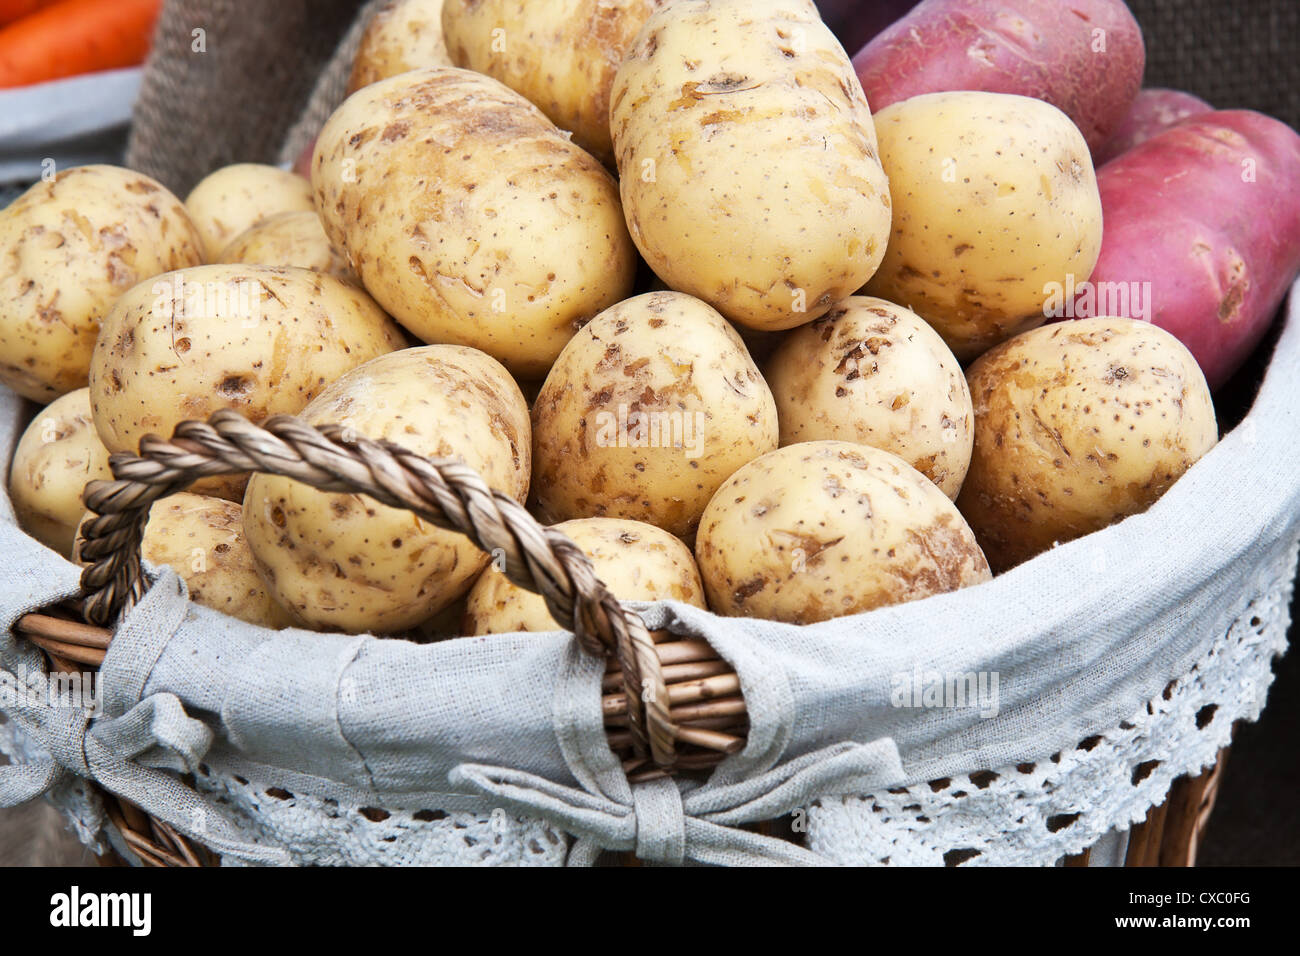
x=344, y=562
x=647, y=411
x=470, y=217
x=402, y=35
x=1078, y=425
x=828, y=528
x=995, y=199
x=289, y=239
x=234, y=198
x=259, y=340
x=58, y=453
x=69, y=247
x=747, y=159
x=636, y=561
x=560, y=54
x=875, y=373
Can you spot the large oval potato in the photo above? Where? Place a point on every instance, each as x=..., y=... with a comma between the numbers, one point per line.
x=289, y=239
x=234, y=198
x=1078, y=425
x=261, y=341
x=827, y=528
x=560, y=54
x=69, y=247
x=748, y=160
x=995, y=198
x=470, y=217
x=345, y=562
x=58, y=453
x=402, y=35
x=648, y=409
x=636, y=561
x=875, y=373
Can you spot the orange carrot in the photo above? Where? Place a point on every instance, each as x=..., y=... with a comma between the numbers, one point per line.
x=11, y=10
x=71, y=37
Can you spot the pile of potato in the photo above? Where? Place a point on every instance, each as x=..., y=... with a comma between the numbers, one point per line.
x=655, y=270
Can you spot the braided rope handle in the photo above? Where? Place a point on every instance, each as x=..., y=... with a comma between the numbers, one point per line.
x=444, y=493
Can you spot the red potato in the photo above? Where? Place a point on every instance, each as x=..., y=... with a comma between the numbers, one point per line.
x=1202, y=234
x=1153, y=111
x=854, y=22
x=1085, y=57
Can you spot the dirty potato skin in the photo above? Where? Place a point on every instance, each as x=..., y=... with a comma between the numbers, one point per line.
x=747, y=158
x=289, y=239
x=69, y=247
x=345, y=562
x=828, y=528
x=470, y=217
x=259, y=340
x=636, y=561
x=559, y=54
x=1078, y=425
x=994, y=197
x=875, y=373
x=402, y=35
x=58, y=453
x=234, y=198
x=647, y=410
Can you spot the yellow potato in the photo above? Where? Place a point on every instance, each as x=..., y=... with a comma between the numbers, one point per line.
x=636, y=561
x=56, y=456
x=401, y=35
x=235, y=198
x=646, y=412
x=289, y=239
x=874, y=373
x=560, y=54
x=470, y=217
x=347, y=563
x=828, y=528
x=748, y=160
x=69, y=247
x=994, y=198
x=1078, y=425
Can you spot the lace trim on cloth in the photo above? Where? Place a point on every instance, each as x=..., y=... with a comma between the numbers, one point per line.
x=1033, y=814
x=76, y=799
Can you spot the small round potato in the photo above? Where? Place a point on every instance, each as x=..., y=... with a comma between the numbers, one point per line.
x=470, y=217
x=636, y=561
x=648, y=409
x=827, y=528
x=202, y=540
x=233, y=198
x=875, y=373
x=261, y=341
x=289, y=239
x=1078, y=425
x=402, y=35
x=995, y=198
x=347, y=563
x=69, y=247
x=57, y=455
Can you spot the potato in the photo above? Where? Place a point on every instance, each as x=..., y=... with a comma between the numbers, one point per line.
x=748, y=160
x=261, y=341
x=636, y=561
x=994, y=199
x=289, y=239
x=1078, y=425
x=202, y=540
x=234, y=198
x=56, y=456
x=559, y=54
x=69, y=247
x=1154, y=110
x=827, y=528
x=647, y=411
x=344, y=562
x=874, y=373
x=470, y=217
x=401, y=35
